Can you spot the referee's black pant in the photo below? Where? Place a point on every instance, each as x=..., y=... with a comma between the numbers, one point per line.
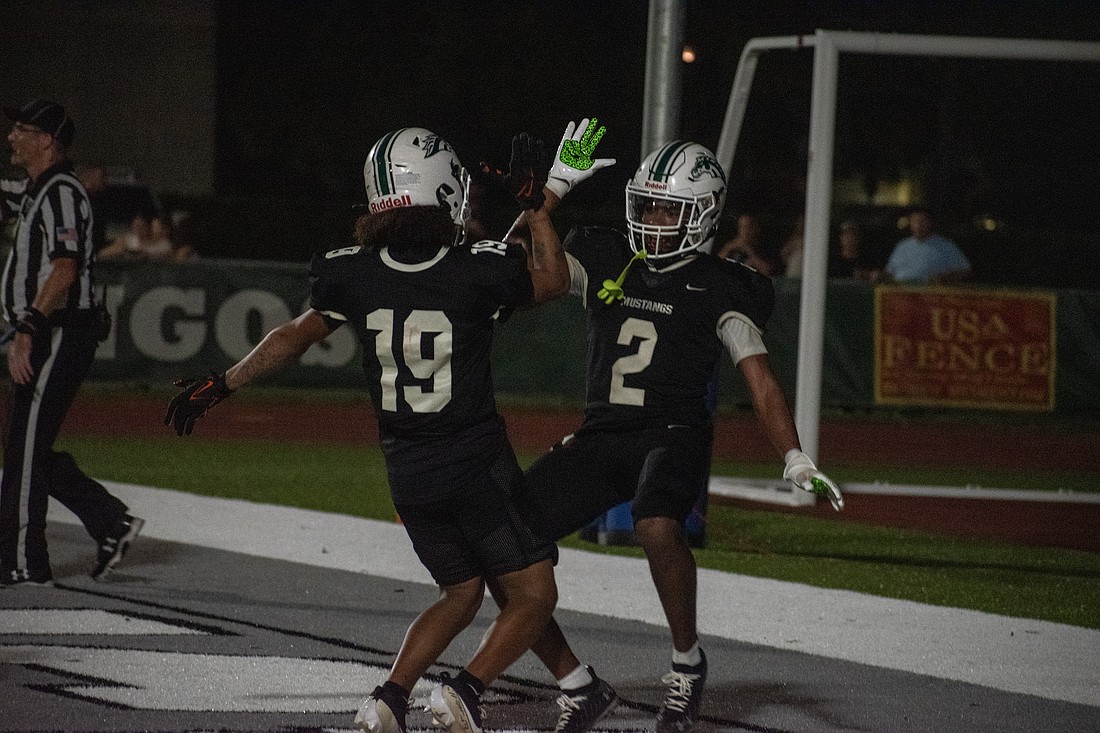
x=33, y=471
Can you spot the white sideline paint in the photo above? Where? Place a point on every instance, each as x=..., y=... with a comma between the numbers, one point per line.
x=1049, y=660
x=781, y=492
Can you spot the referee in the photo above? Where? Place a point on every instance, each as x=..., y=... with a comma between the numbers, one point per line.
x=53, y=327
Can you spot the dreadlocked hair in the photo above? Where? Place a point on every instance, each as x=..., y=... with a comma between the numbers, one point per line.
x=412, y=229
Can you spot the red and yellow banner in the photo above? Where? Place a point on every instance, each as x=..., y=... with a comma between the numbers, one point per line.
x=964, y=348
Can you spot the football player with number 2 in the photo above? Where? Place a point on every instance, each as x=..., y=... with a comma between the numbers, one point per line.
x=660, y=312
x=424, y=303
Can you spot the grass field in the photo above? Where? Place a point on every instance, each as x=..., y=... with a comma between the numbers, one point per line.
x=1050, y=584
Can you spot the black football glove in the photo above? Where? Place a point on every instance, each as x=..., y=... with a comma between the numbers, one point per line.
x=527, y=171
x=195, y=398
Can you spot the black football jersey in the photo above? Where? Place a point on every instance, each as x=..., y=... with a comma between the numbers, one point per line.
x=651, y=354
x=427, y=333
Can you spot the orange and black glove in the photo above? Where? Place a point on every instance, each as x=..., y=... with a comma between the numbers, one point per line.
x=195, y=398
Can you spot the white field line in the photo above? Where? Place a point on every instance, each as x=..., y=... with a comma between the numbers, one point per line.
x=781, y=492
x=1050, y=660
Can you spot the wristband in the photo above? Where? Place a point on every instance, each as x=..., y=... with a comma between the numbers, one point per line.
x=794, y=453
x=32, y=322
x=797, y=463
x=559, y=186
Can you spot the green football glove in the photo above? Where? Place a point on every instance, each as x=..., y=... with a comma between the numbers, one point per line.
x=802, y=472
x=573, y=162
x=195, y=398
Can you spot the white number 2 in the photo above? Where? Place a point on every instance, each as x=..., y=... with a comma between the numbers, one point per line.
x=435, y=368
x=631, y=329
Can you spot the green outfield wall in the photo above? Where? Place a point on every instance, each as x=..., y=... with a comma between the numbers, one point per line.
x=173, y=320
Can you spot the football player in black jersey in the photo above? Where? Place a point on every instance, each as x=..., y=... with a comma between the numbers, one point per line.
x=424, y=303
x=659, y=312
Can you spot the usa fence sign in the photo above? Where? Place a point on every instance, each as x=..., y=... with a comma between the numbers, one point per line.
x=965, y=348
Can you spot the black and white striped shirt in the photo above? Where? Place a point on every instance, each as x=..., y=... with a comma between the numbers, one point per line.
x=53, y=219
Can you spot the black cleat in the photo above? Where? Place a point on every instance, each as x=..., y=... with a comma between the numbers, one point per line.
x=115, y=544
x=584, y=707
x=680, y=710
x=22, y=578
x=455, y=706
x=383, y=712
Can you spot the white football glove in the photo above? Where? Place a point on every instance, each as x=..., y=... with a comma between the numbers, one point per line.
x=573, y=162
x=802, y=472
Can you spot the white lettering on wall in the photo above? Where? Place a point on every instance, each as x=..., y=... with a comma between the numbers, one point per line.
x=232, y=319
x=179, y=339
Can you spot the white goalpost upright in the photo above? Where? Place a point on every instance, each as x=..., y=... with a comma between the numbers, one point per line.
x=828, y=45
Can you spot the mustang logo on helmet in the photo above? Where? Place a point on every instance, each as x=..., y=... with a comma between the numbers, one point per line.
x=706, y=165
x=431, y=144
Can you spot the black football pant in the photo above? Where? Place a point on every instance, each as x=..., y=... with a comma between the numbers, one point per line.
x=33, y=471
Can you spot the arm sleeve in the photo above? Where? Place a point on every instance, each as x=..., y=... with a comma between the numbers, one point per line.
x=741, y=336
x=578, y=277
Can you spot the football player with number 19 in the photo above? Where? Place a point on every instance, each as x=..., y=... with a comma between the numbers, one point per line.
x=660, y=312
x=424, y=304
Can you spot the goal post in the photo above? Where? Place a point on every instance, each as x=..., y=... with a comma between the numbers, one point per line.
x=827, y=46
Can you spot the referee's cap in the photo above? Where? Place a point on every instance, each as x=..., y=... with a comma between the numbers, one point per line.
x=47, y=116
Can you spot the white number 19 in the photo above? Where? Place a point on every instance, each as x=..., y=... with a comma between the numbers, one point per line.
x=435, y=367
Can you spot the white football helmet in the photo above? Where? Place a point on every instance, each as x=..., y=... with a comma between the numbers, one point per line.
x=415, y=167
x=674, y=200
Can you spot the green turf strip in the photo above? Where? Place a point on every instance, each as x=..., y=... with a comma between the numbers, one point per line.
x=1051, y=584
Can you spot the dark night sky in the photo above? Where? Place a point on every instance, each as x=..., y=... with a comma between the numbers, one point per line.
x=305, y=88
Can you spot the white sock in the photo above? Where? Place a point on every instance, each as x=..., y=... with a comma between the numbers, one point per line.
x=576, y=679
x=691, y=657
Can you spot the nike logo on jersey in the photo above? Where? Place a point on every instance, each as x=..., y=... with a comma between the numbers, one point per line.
x=698, y=290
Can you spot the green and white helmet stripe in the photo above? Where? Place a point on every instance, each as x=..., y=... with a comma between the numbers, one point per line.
x=378, y=163
x=665, y=161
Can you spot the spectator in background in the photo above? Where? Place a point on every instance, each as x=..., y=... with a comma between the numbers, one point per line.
x=159, y=246
x=925, y=257
x=116, y=196
x=131, y=243
x=147, y=239
x=791, y=251
x=849, y=261
x=94, y=179
x=746, y=246
x=185, y=236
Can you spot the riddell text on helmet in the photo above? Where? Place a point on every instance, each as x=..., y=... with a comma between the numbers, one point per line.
x=393, y=202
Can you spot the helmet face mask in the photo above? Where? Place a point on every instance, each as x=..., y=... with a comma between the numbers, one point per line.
x=415, y=167
x=674, y=200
